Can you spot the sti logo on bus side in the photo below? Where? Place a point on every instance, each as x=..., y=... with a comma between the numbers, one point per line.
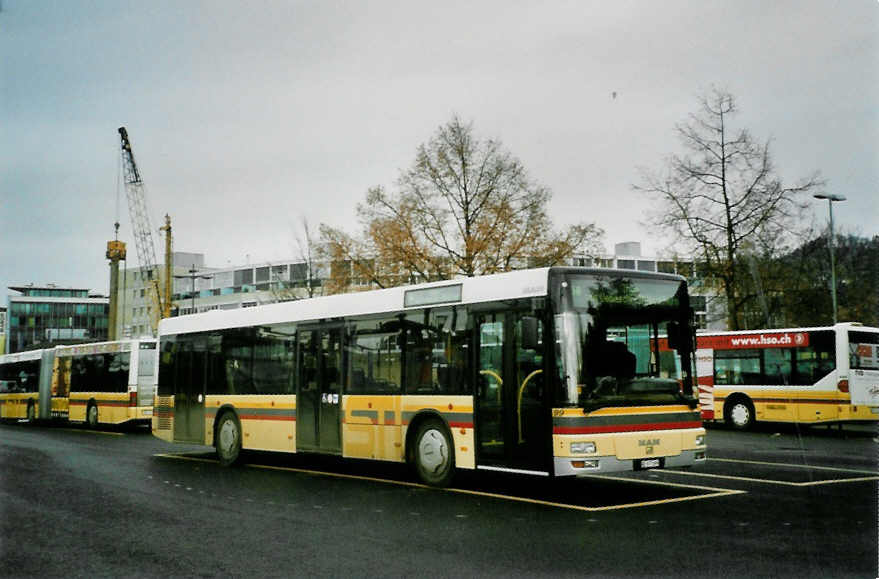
x=649, y=443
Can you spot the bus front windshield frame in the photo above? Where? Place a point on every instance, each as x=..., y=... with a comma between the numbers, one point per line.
x=623, y=340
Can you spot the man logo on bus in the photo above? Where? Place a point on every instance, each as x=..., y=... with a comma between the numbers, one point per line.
x=649, y=443
x=800, y=339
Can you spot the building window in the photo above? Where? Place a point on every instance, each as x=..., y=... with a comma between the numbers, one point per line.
x=243, y=277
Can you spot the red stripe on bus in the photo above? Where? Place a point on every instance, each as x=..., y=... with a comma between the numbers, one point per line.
x=842, y=402
x=99, y=402
x=624, y=428
x=266, y=417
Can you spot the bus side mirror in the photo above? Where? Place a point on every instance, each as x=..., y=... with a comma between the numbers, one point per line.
x=530, y=339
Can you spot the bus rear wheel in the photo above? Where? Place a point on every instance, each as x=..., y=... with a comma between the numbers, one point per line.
x=227, y=439
x=434, y=455
x=91, y=415
x=740, y=413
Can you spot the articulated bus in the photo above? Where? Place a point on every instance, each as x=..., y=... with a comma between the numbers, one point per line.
x=550, y=372
x=802, y=375
x=95, y=383
x=20, y=375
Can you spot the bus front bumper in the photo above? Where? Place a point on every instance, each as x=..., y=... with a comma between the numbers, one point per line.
x=579, y=466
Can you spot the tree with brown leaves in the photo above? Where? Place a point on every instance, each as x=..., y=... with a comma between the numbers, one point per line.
x=465, y=207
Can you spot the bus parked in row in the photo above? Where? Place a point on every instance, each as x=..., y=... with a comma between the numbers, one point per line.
x=799, y=375
x=549, y=372
x=95, y=383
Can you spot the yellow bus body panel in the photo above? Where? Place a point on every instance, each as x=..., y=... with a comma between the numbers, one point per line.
x=793, y=405
x=113, y=407
x=642, y=436
x=267, y=421
x=15, y=405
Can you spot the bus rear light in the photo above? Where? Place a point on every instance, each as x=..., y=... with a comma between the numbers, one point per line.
x=842, y=385
x=132, y=399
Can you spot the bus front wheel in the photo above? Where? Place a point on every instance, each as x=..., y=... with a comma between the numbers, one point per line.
x=228, y=439
x=740, y=413
x=434, y=453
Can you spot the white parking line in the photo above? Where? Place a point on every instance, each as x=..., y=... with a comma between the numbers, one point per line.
x=770, y=481
x=792, y=465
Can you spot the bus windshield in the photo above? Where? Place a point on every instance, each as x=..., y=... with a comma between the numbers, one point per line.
x=608, y=335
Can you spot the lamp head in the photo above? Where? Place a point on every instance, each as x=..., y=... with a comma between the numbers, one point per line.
x=829, y=197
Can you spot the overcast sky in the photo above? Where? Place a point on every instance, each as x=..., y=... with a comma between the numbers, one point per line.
x=247, y=116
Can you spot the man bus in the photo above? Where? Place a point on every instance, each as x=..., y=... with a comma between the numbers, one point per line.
x=550, y=372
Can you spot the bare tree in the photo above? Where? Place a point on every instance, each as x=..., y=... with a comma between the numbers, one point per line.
x=723, y=197
x=309, y=252
x=465, y=207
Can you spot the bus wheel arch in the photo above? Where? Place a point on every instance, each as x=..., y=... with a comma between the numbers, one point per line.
x=227, y=436
x=430, y=449
x=91, y=413
x=738, y=411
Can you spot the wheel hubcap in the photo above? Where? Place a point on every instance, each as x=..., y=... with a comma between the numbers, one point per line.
x=228, y=437
x=740, y=414
x=433, y=452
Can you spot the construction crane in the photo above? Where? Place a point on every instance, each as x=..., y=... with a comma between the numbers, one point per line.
x=143, y=237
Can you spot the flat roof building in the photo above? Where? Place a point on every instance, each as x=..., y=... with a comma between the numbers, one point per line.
x=47, y=315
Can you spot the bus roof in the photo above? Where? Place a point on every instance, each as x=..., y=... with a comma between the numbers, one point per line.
x=842, y=325
x=525, y=283
x=100, y=347
x=21, y=356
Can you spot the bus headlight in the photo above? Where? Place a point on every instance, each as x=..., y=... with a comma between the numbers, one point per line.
x=700, y=440
x=582, y=448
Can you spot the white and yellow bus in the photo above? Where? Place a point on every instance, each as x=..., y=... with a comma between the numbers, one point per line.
x=105, y=382
x=549, y=372
x=95, y=383
x=816, y=375
x=20, y=375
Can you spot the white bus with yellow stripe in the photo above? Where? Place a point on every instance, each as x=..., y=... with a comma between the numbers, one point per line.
x=820, y=375
x=105, y=382
x=20, y=384
x=550, y=372
x=95, y=383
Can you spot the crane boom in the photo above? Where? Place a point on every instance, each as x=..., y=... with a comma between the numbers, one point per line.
x=143, y=237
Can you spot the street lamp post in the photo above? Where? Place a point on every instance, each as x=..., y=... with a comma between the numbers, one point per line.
x=192, y=275
x=830, y=200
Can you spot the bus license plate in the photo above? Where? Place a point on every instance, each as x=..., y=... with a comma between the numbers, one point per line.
x=649, y=463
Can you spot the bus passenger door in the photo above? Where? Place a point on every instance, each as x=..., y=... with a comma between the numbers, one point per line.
x=330, y=423
x=512, y=415
x=189, y=391
x=319, y=395
x=491, y=423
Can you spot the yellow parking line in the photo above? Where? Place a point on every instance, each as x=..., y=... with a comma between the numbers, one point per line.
x=792, y=465
x=92, y=431
x=717, y=492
